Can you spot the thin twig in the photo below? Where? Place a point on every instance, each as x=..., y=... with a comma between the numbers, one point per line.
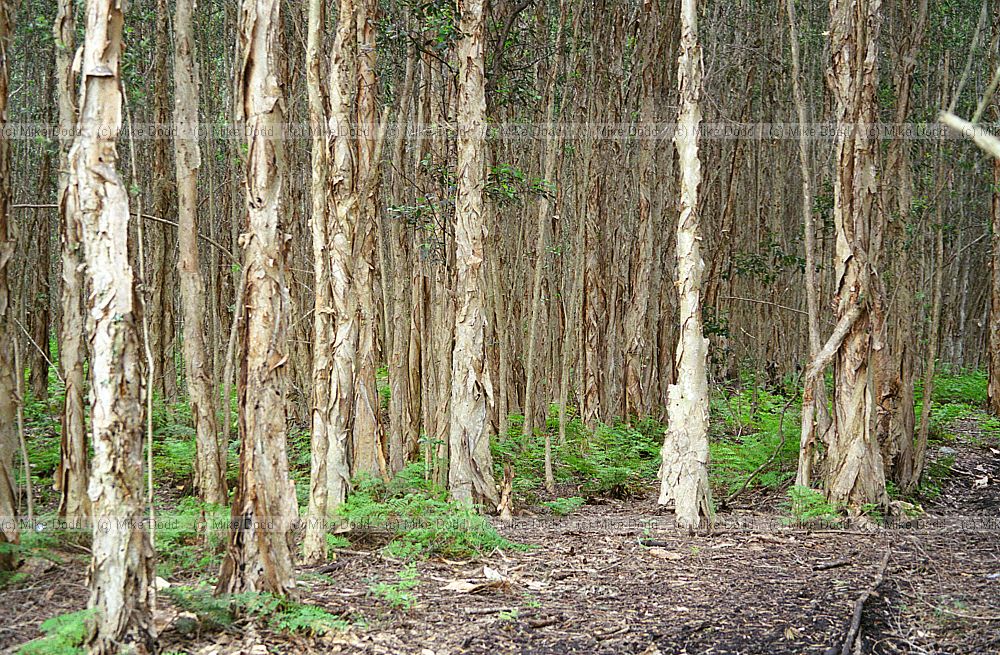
x=770, y=460
x=859, y=606
x=41, y=352
x=156, y=219
x=766, y=302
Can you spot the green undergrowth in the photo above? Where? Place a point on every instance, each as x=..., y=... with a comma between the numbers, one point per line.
x=280, y=614
x=418, y=518
x=190, y=538
x=959, y=397
x=399, y=593
x=64, y=635
x=747, y=430
x=611, y=461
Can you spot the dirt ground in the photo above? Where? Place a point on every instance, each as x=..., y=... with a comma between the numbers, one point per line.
x=616, y=578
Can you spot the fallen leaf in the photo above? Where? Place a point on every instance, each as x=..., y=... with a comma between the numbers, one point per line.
x=663, y=553
x=461, y=586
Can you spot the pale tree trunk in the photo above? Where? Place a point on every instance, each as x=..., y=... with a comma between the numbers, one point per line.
x=854, y=471
x=684, y=471
x=470, y=472
x=210, y=462
x=121, y=571
x=8, y=379
x=369, y=455
x=340, y=234
x=71, y=477
x=264, y=509
x=314, y=544
x=815, y=414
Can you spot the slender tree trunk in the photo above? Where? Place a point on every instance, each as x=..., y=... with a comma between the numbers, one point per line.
x=854, y=474
x=531, y=365
x=404, y=412
x=72, y=475
x=815, y=415
x=637, y=350
x=895, y=363
x=162, y=240
x=40, y=319
x=369, y=455
x=259, y=557
x=684, y=471
x=314, y=545
x=210, y=462
x=341, y=233
x=121, y=573
x=920, y=449
x=993, y=391
x=470, y=474
x=8, y=379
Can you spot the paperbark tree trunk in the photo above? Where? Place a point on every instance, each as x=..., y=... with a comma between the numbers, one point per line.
x=403, y=355
x=916, y=468
x=161, y=298
x=369, y=455
x=8, y=379
x=993, y=390
x=637, y=350
x=894, y=371
x=531, y=365
x=72, y=475
x=38, y=305
x=470, y=473
x=684, y=470
x=322, y=412
x=854, y=471
x=341, y=232
x=815, y=415
x=259, y=557
x=210, y=463
x=121, y=571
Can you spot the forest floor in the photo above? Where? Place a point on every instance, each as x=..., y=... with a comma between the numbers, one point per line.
x=617, y=578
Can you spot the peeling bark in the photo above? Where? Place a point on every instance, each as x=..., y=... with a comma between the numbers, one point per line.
x=210, y=462
x=264, y=508
x=470, y=473
x=71, y=478
x=314, y=544
x=684, y=470
x=121, y=571
x=854, y=470
x=8, y=379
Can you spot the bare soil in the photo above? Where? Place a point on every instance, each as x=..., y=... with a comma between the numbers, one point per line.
x=617, y=578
